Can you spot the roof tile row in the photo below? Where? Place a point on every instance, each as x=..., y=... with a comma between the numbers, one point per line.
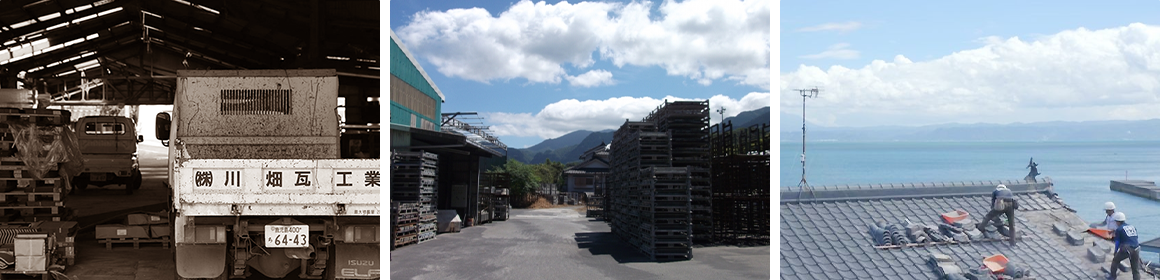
x=829, y=240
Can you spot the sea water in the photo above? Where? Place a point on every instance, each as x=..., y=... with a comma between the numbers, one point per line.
x=1081, y=171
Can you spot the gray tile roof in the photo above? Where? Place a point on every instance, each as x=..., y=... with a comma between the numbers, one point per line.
x=828, y=238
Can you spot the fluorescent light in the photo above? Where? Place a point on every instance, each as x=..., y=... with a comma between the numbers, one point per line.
x=79, y=20
x=49, y=16
x=110, y=11
x=63, y=24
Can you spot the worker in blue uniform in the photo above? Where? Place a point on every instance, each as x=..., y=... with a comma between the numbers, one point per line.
x=1002, y=202
x=1127, y=246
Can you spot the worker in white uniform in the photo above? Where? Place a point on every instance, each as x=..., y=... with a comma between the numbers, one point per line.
x=1108, y=223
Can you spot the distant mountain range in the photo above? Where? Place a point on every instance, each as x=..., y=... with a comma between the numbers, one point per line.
x=1039, y=131
x=568, y=147
x=749, y=118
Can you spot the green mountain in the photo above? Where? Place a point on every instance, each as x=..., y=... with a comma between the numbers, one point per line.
x=750, y=118
x=569, y=147
x=563, y=141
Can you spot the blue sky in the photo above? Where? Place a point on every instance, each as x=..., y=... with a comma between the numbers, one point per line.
x=538, y=70
x=970, y=62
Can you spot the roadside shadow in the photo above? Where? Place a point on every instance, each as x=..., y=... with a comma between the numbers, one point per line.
x=606, y=243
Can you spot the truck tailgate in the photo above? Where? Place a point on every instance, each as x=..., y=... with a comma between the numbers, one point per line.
x=277, y=187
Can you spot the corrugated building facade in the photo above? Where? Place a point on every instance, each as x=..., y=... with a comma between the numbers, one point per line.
x=416, y=103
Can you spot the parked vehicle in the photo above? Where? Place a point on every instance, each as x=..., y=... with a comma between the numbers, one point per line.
x=257, y=181
x=108, y=146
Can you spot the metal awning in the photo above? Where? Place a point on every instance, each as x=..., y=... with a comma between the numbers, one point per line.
x=445, y=142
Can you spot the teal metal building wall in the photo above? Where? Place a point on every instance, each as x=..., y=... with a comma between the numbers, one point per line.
x=405, y=68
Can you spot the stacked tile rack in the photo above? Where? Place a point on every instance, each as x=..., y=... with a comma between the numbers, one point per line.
x=502, y=203
x=658, y=177
x=665, y=218
x=24, y=198
x=741, y=189
x=406, y=226
x=486, y=201
x=500, y=194
x=688, y=124
x=413, y=182
x=624, y=171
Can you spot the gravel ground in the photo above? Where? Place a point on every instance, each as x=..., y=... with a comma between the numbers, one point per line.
x=559, y=243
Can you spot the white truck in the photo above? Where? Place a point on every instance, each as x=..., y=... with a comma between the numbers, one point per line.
x=257, y=182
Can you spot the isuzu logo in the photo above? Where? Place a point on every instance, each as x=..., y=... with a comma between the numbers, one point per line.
x=351, y=272
x=361, y=262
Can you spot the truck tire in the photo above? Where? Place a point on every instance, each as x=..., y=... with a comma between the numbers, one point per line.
x=80, y=182
x=134, y=182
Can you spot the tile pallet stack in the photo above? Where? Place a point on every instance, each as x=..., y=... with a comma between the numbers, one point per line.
x=22, y=197
x=665, y=231
x=413, y=179
x=622, y=172
x=741, y=192
x=486, y=199
x=650, y=201
x=688, y=123
x=501, y=201
x=407, y=224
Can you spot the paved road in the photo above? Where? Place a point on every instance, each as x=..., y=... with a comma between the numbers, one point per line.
x=561, y=244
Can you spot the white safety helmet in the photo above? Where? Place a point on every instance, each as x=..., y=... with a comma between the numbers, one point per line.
x=1109, y=206
x=1001, y=187
x=1119, y=217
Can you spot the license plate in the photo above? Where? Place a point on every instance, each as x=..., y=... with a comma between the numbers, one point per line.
x=99, y=177
x=284, y=236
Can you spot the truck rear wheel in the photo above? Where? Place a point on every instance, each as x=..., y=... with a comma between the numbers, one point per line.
x=80, y=182
x=134, y=182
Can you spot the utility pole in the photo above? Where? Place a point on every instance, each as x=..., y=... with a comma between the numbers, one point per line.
x=805, y=93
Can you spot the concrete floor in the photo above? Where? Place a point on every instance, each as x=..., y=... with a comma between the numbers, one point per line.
x=559, y=243
x=110, y=204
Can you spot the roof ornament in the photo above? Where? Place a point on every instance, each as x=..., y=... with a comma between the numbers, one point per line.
x=1034, y=171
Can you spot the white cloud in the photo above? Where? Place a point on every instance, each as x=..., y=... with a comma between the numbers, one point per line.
x=1072, y=75
x=842, y=27
x=592, y=78
x=704, y=40
x=837, y=51
x=570, y=114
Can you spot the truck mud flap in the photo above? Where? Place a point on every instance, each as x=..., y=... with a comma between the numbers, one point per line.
x=201, y=261
x=356, y=261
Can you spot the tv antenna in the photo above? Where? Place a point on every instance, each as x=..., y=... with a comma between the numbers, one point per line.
x=805, y=93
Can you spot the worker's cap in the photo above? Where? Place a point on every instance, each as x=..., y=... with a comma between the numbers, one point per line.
x=1119, y=217
x=1109, y=206
x=1001, y=187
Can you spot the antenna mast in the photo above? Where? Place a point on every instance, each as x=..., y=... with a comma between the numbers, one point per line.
x=805, y=93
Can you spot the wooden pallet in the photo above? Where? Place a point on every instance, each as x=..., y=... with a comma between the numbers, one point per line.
x=42, y=117
x=11, y=273
x=33, y=196
x=136, y=241
x=26, y=210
